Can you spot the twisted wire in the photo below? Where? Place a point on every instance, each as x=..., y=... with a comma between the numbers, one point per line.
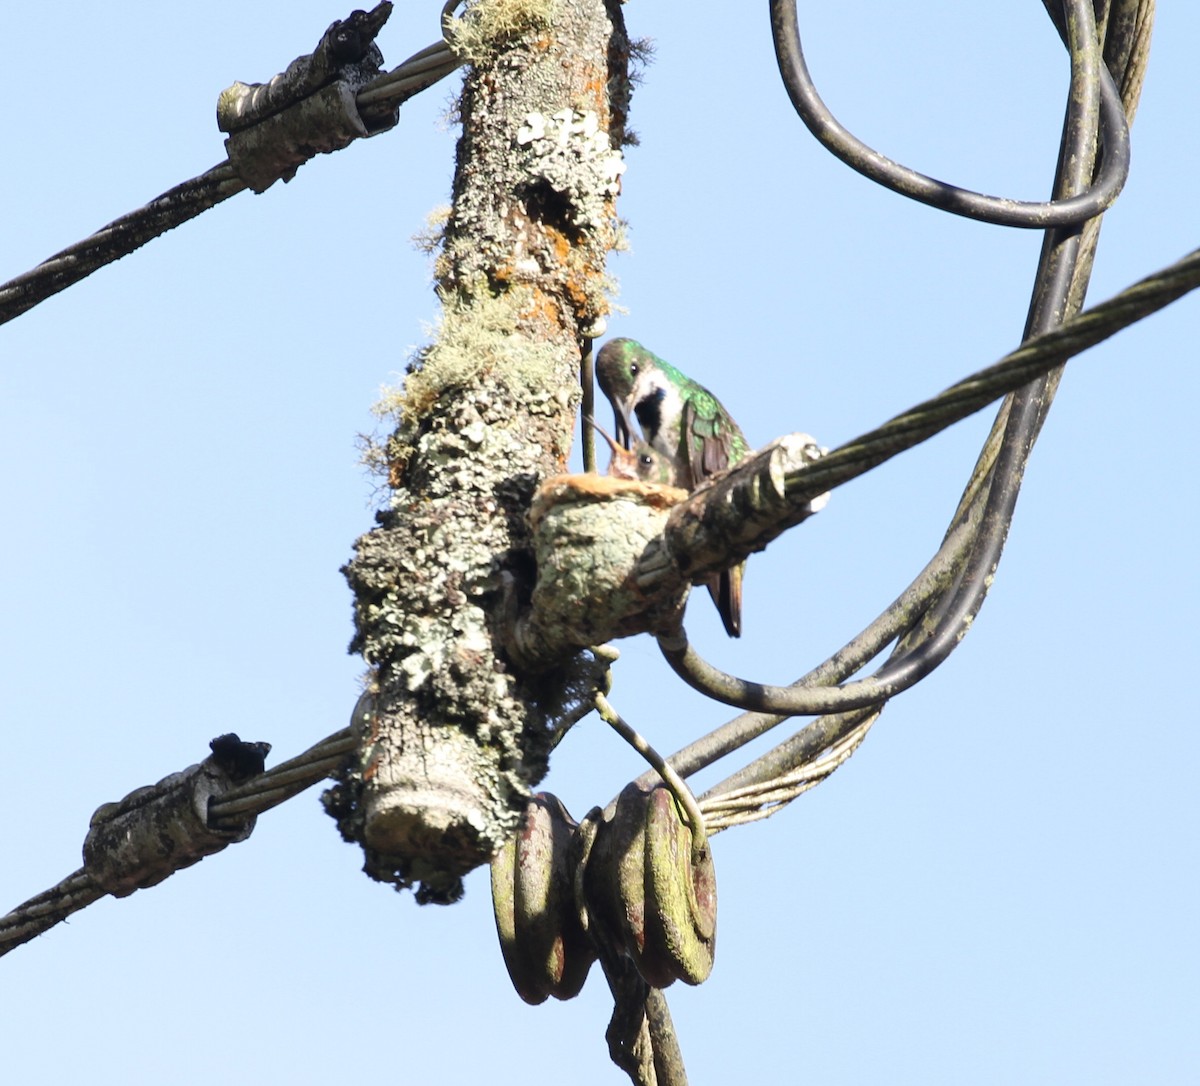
x=280, y=783
x=185, y=201
x=419, y=71
x=754, y=802
x=38, y=914
x=259, y=794
x=956, y=580
x=119, y=238
x=1033, y=359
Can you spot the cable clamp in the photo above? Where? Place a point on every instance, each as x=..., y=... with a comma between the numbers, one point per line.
x=310, y=109
x=161, y=828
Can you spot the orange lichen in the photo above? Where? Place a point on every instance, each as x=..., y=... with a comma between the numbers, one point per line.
x=504, y=273
x=595, y=92
x=559, y=242
x=372, y=766
x=543, y=309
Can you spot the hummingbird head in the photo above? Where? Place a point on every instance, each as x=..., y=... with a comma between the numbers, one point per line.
x=619, y=363
x=649, y=465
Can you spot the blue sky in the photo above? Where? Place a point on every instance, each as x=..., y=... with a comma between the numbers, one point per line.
x=999, y=887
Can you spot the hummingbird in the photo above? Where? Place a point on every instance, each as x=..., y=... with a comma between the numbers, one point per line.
x=684, y=422
x=639, y=464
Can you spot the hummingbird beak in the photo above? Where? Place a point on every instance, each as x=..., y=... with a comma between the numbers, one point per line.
x=623, y=424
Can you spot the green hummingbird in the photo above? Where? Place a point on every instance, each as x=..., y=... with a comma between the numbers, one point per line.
x=684, y=422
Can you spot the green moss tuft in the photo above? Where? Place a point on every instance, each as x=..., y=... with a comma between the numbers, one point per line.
x=475, y=335
x=488, y=25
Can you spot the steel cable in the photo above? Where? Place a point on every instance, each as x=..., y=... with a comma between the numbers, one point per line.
x=1032, y=359
x=259, y=794
x=185, y=201
x=951, y=587
x=1061, y=282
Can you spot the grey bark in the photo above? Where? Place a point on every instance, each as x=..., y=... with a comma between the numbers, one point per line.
x=452, y=736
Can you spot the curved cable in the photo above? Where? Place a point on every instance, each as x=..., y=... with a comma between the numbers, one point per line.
x=937, y=575
x=674, y=782
x=905, y=668
x=953, y=612
x=1034, y=215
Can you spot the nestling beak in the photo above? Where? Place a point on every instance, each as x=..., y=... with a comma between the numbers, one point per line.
x=613, y=446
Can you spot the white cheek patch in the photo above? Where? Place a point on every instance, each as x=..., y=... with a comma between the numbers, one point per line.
x=650, y=384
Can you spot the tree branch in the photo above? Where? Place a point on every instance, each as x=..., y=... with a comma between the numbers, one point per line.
x=451, y=738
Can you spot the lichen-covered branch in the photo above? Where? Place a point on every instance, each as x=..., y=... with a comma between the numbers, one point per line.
x=451, y=735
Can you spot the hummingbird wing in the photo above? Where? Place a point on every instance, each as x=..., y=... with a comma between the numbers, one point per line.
x=726, y=591
x=708, y=437
x=714, y=442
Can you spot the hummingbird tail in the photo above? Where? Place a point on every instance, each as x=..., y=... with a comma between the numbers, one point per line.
x=726, y=591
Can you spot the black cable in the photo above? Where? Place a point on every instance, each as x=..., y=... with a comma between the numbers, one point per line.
x=917, y=186
x=951, y=614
